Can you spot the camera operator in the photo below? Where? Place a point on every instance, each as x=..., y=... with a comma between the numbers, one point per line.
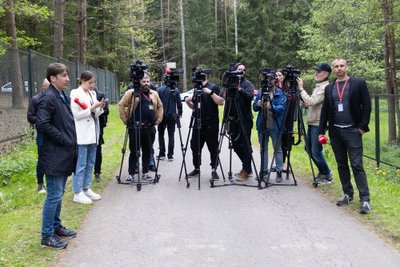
x=347, y=108
x=314, y=105
x=168, y=92
x=210, y=100
x=150, y=114
x=240, y=145
x=275, y=106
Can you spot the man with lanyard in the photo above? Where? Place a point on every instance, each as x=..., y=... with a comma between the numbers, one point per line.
x=347, y=108
x=147, y=109
x=208, y=100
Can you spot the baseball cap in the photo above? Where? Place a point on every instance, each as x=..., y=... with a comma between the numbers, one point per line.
x=324, y=67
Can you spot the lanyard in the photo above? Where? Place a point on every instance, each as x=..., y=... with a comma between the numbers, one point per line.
x=148, y=99
x=340, y=93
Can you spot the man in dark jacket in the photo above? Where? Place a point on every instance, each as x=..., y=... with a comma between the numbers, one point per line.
x=171, y=100
x=347, y=108
x=102, y=124
x=58, y=154
x=31, y=115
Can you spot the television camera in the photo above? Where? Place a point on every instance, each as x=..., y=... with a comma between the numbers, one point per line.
x=268, y=76
x=231, y=78
x=291, y=75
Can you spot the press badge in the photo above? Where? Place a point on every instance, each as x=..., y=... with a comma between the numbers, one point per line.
x=340, y=107
x=151, y=107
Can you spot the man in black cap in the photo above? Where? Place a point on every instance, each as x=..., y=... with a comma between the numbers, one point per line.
x=314, y=105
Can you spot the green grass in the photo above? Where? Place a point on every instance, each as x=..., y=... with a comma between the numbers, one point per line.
x=21, y=206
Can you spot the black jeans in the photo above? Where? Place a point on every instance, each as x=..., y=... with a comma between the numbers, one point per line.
x=168, y=123
x=242, y=145
x=208, y=135
x=347, y=144
x=147, y=136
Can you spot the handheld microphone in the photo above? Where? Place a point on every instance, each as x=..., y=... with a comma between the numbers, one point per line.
x=322, y=139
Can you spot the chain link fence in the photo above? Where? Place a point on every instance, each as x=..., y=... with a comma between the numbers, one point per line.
x=21, y=77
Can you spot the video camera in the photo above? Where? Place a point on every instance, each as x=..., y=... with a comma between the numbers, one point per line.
x=170, y=77
x=199, y=75
x=231, y=77
x=291, y=75
x=136, y=70
x=266, y=82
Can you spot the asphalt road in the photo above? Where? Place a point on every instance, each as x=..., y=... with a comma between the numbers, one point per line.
x=169, y=225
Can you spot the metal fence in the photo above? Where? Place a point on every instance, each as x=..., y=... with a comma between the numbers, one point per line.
x=21, y=79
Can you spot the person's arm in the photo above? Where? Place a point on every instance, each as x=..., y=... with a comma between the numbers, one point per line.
x=159, y=108
x=365, y=107
x=279, y=106
x=124, y=105
x=214, y=96
x=189, y=102
x=178, y=102
x=31, y=113
x=324, y=113
x=317, y=96
x=246, y=89
x=256, y=104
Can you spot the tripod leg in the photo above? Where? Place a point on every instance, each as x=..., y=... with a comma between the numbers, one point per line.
x=123, y=156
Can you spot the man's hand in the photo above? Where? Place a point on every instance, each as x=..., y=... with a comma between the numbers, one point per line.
x=300, y=84
x=361, y=131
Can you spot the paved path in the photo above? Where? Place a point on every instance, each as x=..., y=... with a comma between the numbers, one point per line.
x=169, y=225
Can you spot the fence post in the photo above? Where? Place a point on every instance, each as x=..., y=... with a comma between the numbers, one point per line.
x=30, y=85
x=377, y=133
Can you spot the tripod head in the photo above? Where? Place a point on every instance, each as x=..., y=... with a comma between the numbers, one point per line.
x=267, y=81
x=291, y=75
x=171, y=77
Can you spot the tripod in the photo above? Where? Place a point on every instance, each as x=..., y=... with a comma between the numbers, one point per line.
x=195, y=120
x=136, y=127
x=292, y=113
x=172, y=99
x=226, y=131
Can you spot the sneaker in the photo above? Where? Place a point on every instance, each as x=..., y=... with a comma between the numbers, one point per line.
x=321, y=176
x=345, y=200
x=279, y=176
x=97, y=177
x=161, y=157
x=62, y=231
x=147, y=177
x=170, y=158
x=193, y=173
x=129, y=178
x=92, y=195
x=214, y=175
x=152, y=168
x=242, y=175
x=82, y=198
x=365, y=207
x=41, y=189
x=54, y=241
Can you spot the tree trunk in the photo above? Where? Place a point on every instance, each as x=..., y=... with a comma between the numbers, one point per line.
x=81, y=33
x=58, y=38
x=168, y=30
x=390, y=67
x=102, y=32
x=183, y=45
x=236, y=27
x=162, y=30
x=226, y=23
x=13, y=56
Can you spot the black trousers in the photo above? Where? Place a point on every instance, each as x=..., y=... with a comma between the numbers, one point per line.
x=169, y=124
x=241, y=143
x=347, y=144
x=99, y=153
x=208, y=135
x=147, y=136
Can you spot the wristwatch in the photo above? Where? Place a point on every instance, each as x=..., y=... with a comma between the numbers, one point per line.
x=212, y=92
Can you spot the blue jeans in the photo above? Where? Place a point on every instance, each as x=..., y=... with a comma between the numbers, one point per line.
x=277, y=149
x=82, y=178
x=316, y=150
x=39, y=173
x=51, y=220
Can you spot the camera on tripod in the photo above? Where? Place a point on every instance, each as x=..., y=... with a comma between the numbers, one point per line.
x=268, y=76
x=136, y=70
x=171, y=78
x=291, y=75
x=199, y=75
x=231, y=77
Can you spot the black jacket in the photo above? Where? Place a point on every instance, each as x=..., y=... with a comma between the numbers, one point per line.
x=103, y=117
x=55, y=121
x=360, y=105
x=170, y=109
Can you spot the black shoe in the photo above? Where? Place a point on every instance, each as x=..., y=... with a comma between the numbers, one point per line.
x=152, y=168
x=365, y=207
x=170, y=158
x=214, y=175
x=54, y=241
x=345, y=200
x=194, y=173
x=161, y=157
x=64, y=232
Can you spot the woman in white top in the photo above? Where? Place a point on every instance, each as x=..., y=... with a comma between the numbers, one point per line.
x=86, y=110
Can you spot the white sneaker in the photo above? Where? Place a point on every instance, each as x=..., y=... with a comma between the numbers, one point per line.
x=147, y=177
x=82, y=198
x=92, y=195
x=129, y=178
